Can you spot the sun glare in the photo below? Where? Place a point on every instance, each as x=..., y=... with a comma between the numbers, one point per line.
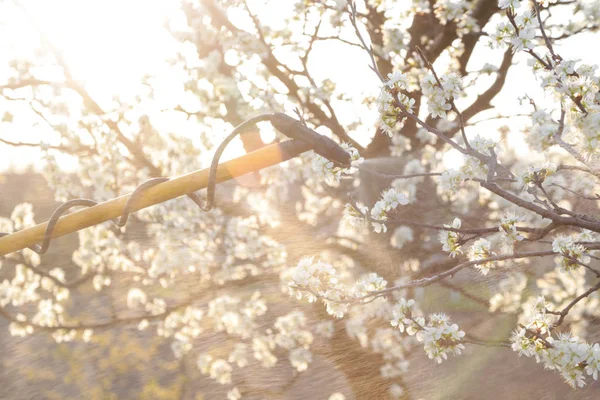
x=108, y=45
x=108, y=48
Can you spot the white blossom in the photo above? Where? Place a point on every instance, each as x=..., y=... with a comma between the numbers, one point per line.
x=450, y=239
x=480, y=250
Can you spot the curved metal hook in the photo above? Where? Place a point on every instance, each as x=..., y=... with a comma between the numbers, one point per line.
x=303, y=136
x=66, y=206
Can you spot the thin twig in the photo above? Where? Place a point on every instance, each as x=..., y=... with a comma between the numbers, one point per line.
x=576, y=300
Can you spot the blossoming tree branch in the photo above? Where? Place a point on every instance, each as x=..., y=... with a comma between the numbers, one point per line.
x=446, y=190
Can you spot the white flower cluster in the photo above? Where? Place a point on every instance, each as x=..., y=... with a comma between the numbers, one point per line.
x=543, y=128
x=508, y=230
x=393, y=104
x=45, y=294
x=473, y=168
x=400, y=144
x=451, y=180
x=235, y=317
x=458, y=11
x=409, y=186
x=239, y=355
x=100, y=250
x=395, y=40
x=560, y=288
x=504, y=4
x=439, y=98
x=389, y=201
x=572, y=254
x=330, y=172
x=569, y=81
x=397, y=81
x=481, y=250
x=484, y=145
x=289, y=333
x=420, y=6
x=263, y=347
x=570, y=356
x=363, y=325
x=509, y=294
x=136, y=298
x=245, y=244
x=218, y=369
x=313, y=280
x=367, y=284
x=300, y=358
x=451, y=240
x=535, y=175
x=22, y=216
x=292, y=336
x=318, y=279
x=586, y=129
x=391, y=345
x=356, y=217
x=49, y=314
x=183, y=326
x=437, y=335
x=63, y=188
x=234, y=394
x=24, y=287
x=577, y=86
x=506, y=33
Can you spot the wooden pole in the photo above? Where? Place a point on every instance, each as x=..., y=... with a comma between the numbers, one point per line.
x=176, y=187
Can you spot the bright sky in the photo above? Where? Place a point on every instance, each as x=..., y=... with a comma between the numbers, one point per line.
x=110, y=45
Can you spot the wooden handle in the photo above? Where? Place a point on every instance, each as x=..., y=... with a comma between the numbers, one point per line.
x=176, y=187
